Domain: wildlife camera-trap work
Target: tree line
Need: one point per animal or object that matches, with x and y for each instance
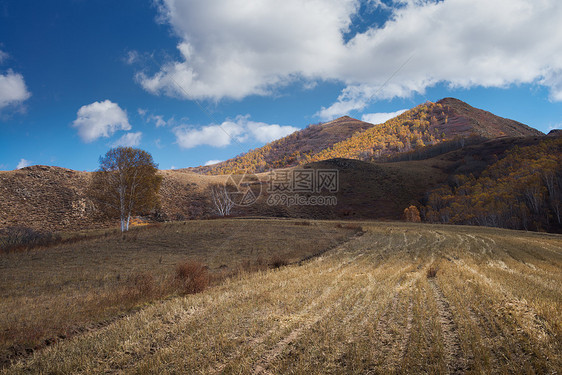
(523, 190)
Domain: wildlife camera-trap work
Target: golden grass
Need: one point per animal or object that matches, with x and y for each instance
(365, 307)
(49, 294)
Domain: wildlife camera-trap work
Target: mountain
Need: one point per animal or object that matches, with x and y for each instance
(290, 150)
(426, 124)
(382, 169)
(465, 120)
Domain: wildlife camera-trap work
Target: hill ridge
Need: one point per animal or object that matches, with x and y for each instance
(346, 137)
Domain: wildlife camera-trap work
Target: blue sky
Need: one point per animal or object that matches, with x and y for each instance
(194, 81)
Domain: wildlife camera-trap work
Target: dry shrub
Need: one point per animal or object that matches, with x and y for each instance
(192, 277)
(305, 223)
(22, 238)
(277, 262)
(432, 272)
(142, 283)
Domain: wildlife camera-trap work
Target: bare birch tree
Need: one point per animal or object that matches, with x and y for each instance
(222, 202)
(125, 184)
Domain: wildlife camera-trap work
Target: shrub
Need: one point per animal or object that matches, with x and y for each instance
(19, 238)
(142, 283)
(278, 262)
(432, 272)
(192, 277)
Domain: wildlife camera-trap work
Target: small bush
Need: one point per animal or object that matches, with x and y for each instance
(278, 262)
(192, 277)
(142, 283)
(432, 272)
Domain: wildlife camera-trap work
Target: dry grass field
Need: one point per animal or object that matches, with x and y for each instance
(58, 292)
(402, 298)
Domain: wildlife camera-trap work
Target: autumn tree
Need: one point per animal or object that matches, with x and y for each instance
(412, 214)
(125, 184)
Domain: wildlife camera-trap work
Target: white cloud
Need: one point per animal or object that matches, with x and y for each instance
(381, 117)
(129, 140)
(132, 57)
(158, 120)
(211, 162)
(267, 133)
(3, 56)
(13, 90)
(239, 130)
(23, 163)
(237, 48)
(100, 119)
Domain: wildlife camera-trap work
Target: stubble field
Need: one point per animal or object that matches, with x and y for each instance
(401, 298)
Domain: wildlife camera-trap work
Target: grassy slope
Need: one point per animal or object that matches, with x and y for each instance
(65, 289)
(364, 307)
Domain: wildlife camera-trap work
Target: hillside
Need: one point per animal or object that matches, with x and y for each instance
(427, 124)
(522, 190)
(54, 199)
(382, 169)
(290, 150)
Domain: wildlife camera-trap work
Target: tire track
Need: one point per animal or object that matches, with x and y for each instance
(455, 359)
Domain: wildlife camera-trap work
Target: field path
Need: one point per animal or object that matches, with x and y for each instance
(454, 356)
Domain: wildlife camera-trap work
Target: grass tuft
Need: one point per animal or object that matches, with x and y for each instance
(192, 277)
(432, 272)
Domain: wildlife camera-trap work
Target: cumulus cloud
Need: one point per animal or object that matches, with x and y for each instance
(128, 140)
(237, 48)
(239, 130)
(381, 117)
(13, 90)
(100, 119)
(23, 163)
(211, 162)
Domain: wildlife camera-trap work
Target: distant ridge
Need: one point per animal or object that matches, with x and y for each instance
(346, 137)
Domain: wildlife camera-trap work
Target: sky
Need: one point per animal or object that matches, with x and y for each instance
(195, 82)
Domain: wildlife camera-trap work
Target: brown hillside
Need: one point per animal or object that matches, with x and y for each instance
(54, 199)
(465, 120)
